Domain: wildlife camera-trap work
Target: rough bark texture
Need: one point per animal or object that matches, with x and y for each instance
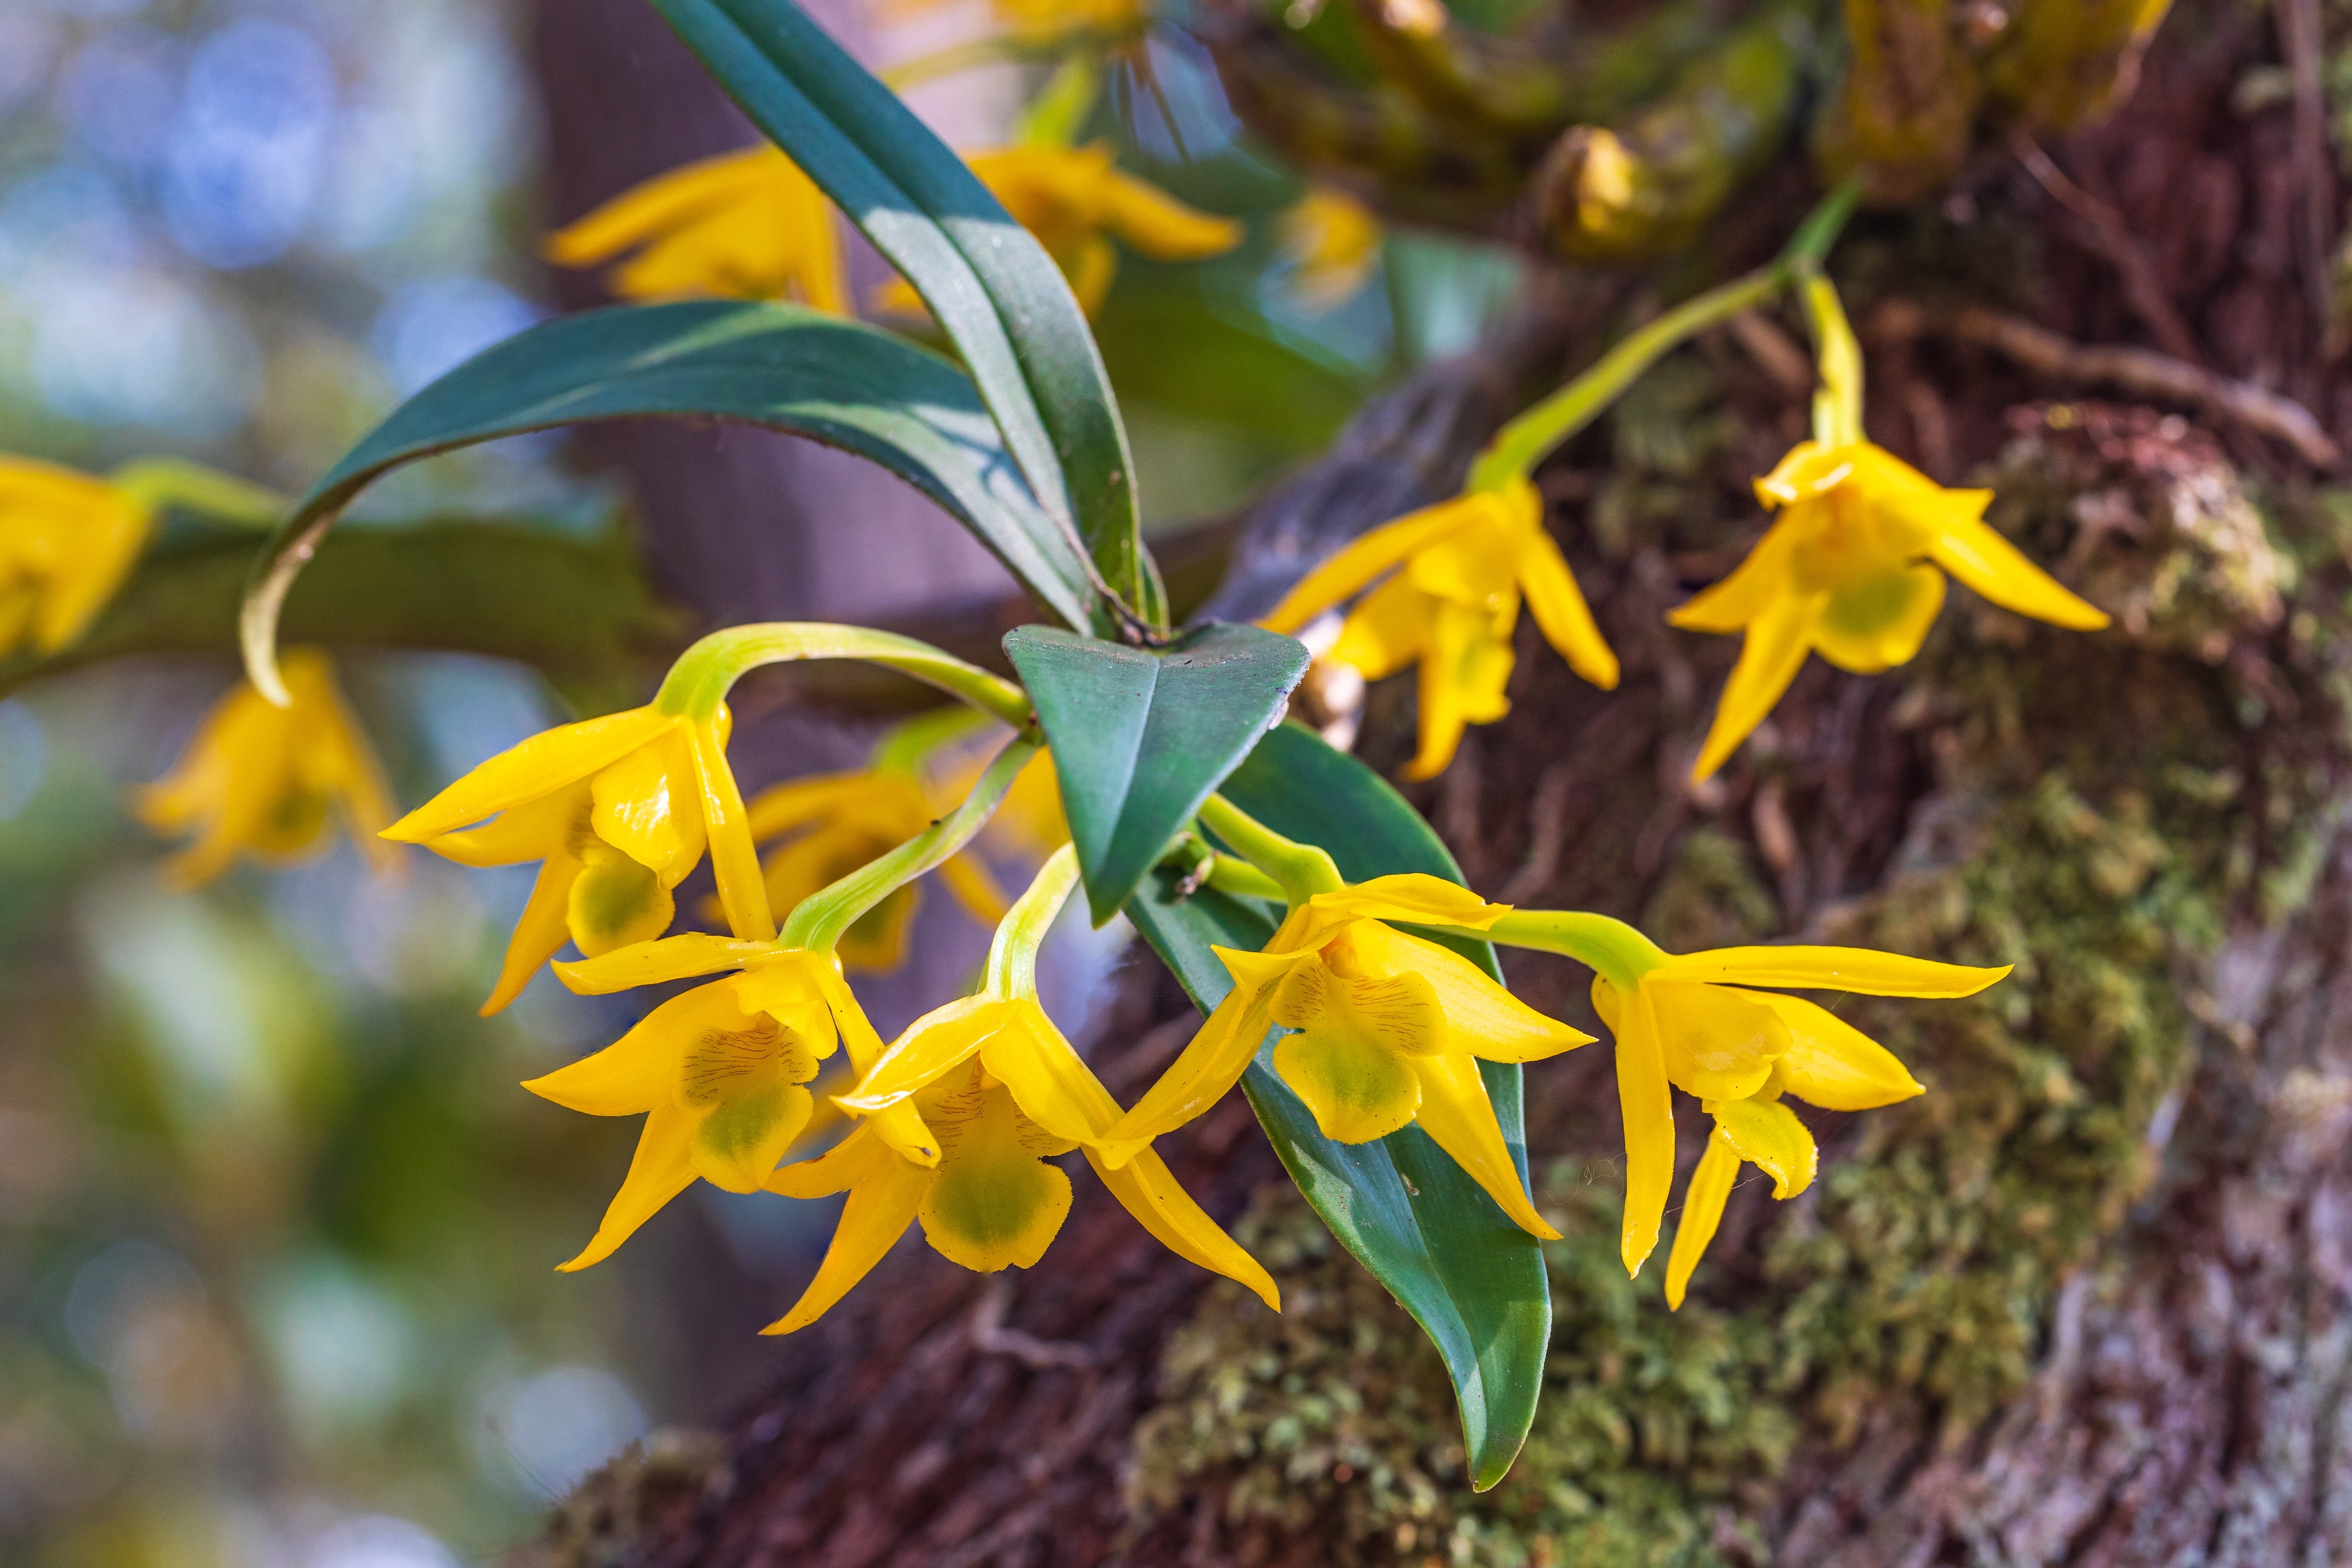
(2089, 1300)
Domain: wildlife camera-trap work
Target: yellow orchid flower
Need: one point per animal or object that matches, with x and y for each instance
(1003, 1091)
(1692, 1022)
(841, 821)
(1074, 199)
(1465, 564)
(742, 226)
(1829, 1063)
(618, 810)
(1332, 239)
(1035, 23)
(262, 780)
(717, 1071)
(1387, 1030)
(1854, 570)
(67, 542)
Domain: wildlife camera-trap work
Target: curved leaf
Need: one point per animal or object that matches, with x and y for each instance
(1140, 738)
(989, 284)
(847, 384)
(1473, 1281)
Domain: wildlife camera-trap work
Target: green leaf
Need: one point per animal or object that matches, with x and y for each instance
(1142, 737)
(847, 384)
(1473, 1281)
(1174, 348)
(989, 284)
(576, 609)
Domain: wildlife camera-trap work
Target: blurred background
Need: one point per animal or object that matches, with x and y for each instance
(276, 1228)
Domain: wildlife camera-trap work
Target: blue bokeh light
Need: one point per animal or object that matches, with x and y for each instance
(247, 149)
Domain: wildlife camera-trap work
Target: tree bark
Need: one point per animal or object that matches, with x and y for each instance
(2087, 1302)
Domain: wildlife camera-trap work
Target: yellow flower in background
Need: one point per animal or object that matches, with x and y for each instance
(1332, 239)
(1460, 569)
(1854, 570)
(618, 810)
(838, 822)
(742, 226)
(1041, 22)
(1075, 201)
(264, 781)
(1691, 1022)
(717, 1072)
(1028, 821)
(1388, 1030)
(67, 542)
(1037, 23)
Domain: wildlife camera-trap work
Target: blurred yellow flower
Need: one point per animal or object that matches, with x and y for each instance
(1851, 571)
(618, 810)
(717, 1071)
(262, 780)
(1466, 563)
(67, 542)
(1388, 1030)
(1689, 1022)
(838, 822)
(742, 226)
(1038, 22)
(1074, 199)
(1332, 239)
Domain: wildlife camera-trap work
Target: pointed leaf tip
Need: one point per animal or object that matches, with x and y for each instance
(1140, 738)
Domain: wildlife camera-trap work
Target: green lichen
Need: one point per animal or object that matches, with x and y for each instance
(2101, 828)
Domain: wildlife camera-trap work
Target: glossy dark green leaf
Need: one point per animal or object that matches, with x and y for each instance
(1473, 1281)
(847, 384)
(576, 609)
(1141, 737)
(987, 282)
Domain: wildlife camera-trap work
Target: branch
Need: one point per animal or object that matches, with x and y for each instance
(2139, 371)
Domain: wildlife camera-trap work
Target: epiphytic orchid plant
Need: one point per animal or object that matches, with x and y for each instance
(1346, 978)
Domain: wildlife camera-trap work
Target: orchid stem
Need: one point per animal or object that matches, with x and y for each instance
(1299, 870)
(819, 921)
(1526, 440)
(699, 682)
(1611, 948)
(1012, 955)
(1231, 874)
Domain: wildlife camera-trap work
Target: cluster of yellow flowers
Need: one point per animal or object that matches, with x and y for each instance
(952, 1124)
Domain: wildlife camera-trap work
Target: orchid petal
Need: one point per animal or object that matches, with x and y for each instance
(1859, 969)
(678, 957)
(658, 1171)
(1703, 1200)
(540, 934)
(1767, 1133)
(1147, 1190)
(1366, 558)
(1833, 1065)
(1561, 614)
(1647, 1105)
(1459, 1115)
(1769, 657)
(880, 1208)
(1971, 550)
(539, 766)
